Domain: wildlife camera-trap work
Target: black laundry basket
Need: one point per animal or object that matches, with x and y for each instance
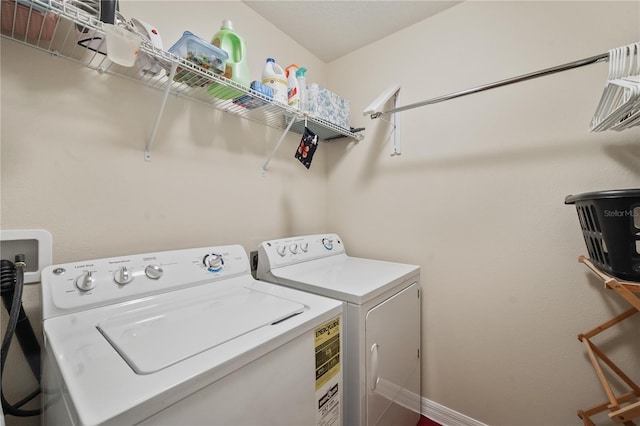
(610, 222)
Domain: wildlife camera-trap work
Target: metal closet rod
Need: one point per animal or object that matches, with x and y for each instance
(525, 77)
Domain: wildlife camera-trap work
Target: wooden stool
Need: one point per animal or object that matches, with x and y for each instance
(624, 408)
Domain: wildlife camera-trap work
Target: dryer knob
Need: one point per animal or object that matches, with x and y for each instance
(213, 262)
(327, 243)
(123, 276)
(282, 250)
(153, 271)
(293, 248)
(85, 282)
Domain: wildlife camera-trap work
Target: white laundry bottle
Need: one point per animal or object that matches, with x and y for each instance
(274, 76)
(293, 93)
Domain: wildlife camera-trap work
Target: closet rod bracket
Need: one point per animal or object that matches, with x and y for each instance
(375, 110)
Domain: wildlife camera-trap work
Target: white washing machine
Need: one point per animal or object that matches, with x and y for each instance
(187, 337)
(382, 321)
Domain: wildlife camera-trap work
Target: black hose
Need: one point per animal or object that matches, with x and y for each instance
(7, 277)
(108, 9)
(24, 332)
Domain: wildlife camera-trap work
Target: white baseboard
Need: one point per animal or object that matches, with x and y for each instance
(446, 416)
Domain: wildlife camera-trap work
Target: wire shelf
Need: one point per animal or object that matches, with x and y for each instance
(70, 29)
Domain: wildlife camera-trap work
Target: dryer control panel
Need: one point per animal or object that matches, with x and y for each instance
(287, 251)
(82, 285)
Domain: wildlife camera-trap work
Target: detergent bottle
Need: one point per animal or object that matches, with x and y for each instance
(236, 68)
(293, 93)
(274, 76)
(302, 90)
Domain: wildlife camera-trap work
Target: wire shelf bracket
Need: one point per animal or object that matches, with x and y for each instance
(263, 171)
(147, 149)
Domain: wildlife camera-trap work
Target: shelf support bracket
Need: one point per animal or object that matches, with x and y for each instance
(394, 148)
(266, 163)
(147, 150)
(375, 110)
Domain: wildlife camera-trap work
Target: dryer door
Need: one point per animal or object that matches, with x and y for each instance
(392, 332)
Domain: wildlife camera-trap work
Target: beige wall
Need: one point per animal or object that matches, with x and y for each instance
(476, 199)
(73, 157)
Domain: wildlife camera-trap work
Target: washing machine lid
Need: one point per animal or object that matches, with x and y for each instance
(101, 387)
(346, 278)
(153, 339)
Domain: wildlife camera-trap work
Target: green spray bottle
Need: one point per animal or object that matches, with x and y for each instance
(302, 89)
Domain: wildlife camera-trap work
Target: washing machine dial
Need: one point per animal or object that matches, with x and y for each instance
(123, 276)
(327, 243)
(213, 262)
(293, 248)
(281, 250)
(86, 281)
(153, 271)
(304, 247)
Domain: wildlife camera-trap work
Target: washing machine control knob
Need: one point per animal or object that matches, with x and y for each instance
(282, 250)
(86, 281)
(153, 271)
(327, 243)
(123, 276)
(304, 247)
(213, 262)
(293, 248)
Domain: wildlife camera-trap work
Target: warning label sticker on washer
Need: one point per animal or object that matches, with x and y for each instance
(329, 407)
(328, 374)
(327, 344)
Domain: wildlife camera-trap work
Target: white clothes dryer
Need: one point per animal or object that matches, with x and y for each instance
(187, 337)
(382, 321)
